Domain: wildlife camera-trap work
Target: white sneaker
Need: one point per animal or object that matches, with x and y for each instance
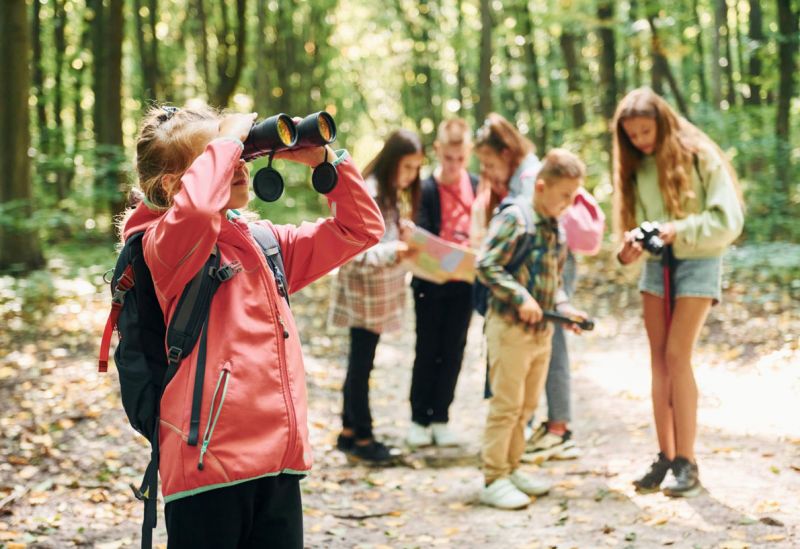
(443, 436)
(419, 435)
(528, 484)
(504, 495)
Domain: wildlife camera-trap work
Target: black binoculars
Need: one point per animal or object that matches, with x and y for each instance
(280, 132)
(585, 324)
(649, 235)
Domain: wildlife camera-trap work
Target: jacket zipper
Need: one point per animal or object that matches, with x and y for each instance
(224, 378)
(284, 368)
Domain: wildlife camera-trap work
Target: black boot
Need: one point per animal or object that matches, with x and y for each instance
(687, 479)
(651, 481)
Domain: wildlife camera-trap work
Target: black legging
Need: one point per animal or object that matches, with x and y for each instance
(442, 323)
(355, 412)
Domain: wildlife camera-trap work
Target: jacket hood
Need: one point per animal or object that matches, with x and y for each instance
(521, 183)
(138, 221)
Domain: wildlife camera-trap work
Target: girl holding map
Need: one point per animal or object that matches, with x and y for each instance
(369, 292)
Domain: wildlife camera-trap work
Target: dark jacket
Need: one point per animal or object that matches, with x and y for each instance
(429, 217)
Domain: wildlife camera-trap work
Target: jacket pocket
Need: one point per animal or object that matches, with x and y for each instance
(217, 400)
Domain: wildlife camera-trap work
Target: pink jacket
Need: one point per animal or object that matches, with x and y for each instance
(254, 375)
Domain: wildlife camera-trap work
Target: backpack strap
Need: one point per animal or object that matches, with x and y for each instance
(268, 243)
(124, 284)
(528, 240)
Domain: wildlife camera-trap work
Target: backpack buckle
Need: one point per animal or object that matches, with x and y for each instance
(226, 272)
(137, 492)
(118, 296)
(174, 354)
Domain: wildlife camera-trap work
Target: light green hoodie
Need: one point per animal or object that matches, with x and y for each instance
(713, 214)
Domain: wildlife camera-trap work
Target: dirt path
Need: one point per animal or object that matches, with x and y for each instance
(68, 454)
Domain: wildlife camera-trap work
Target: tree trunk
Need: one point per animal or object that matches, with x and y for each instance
(148, 48)
(660, 61)
(19, 244)
(637, 54)
(756, 35)
(38, 78)
(725, 30)
(485, 72)
(231, 56)
(787, 48)
(701, 57)
(608, 58)
(716, 52)
(107, 52)
(65, 168)
(568, 42)
(533, 89)
(461, 83)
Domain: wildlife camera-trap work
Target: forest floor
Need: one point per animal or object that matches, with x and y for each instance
(68, 453)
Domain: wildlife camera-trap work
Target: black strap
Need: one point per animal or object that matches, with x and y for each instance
(188, 323)
(197, 394)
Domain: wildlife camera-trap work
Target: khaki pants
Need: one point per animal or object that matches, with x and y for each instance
(518, 360)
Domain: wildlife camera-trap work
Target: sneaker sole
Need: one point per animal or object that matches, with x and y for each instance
(543, 455)
(684, 494)
(645, 491)
(493, 506)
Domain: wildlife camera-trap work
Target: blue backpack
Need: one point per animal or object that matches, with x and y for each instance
(480, 292)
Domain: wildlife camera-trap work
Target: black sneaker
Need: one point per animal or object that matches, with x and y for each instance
(651, 481)
(687, 479)
(345, 443)
(374, 453)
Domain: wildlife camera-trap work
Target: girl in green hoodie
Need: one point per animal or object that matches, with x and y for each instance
(668, 171)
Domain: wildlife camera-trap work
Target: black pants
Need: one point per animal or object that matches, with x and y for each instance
(257, 514)
(443, 319)
(355, 412)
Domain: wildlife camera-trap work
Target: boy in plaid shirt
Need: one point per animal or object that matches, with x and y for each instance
(518, 340)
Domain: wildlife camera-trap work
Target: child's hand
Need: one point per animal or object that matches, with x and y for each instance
(530, 312)
(630, 250)
(667, 233)
(404, 251)
(310, 156)
(568, 310)
(236, 126)
(406, 229)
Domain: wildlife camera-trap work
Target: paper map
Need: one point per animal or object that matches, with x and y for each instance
(439, 261)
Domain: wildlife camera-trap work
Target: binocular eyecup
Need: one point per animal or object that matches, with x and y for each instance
(280, 132)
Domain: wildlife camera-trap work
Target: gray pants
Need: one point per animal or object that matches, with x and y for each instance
(557, 387)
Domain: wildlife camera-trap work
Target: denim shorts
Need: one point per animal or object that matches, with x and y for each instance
(690, 278)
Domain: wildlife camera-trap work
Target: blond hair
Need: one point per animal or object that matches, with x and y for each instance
(167, 144)
(677, 142)
(454, 131)
(561, 164)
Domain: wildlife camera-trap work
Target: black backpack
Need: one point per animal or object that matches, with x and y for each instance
(480, 292)
(149, 353)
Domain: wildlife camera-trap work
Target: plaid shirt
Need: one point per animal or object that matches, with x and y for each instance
(370, 291)
(508, 291)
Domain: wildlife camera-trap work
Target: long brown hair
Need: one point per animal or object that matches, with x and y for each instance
(384, 168)
(500, 135)
(677, 141)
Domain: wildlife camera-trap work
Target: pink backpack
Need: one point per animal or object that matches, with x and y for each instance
(584, 223)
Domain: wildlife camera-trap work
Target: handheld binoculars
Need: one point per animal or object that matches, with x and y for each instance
(585, 324)
(280, 132)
